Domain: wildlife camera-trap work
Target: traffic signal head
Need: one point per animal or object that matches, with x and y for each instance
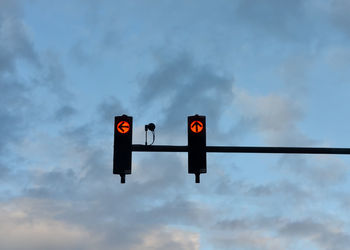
(122, 146)
(197, 154)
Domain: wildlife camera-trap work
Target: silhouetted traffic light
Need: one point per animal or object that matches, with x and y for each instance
(197, 155)
(122, 146)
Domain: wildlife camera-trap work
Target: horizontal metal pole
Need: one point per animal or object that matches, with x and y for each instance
(239, 149)
(278, 150)
(158, 148)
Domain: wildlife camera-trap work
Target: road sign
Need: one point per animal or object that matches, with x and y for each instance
(196, 126)
(123, 127)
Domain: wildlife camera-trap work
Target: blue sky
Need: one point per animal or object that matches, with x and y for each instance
(268, 72)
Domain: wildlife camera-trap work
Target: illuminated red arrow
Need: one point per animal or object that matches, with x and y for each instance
(196, 126)
(123, 127)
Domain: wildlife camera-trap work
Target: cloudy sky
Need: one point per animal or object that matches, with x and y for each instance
(264, 72)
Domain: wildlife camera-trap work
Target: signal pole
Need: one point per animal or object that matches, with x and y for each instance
(197, 149)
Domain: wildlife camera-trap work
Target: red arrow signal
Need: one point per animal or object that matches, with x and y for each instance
(196, 126)
(123, 127)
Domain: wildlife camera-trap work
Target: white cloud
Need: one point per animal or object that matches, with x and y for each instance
(23, 226)
(169, 238)
(273, 116)
(250, 239)
(21, 230)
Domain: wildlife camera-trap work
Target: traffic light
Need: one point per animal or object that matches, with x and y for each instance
(122, 146)
(197, 155)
